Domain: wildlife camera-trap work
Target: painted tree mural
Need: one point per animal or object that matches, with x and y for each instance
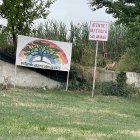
(41, 51)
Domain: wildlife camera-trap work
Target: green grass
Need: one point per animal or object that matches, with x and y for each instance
(59, 115)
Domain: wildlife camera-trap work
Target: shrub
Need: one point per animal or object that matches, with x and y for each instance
(118, 88)
(129, 61)
(6, 43)
(113, 89)
(77, 79)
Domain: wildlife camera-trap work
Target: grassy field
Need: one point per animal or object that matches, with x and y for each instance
(59, 115)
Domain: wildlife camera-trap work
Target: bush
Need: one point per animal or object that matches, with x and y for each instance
(118, 88)
(113, 89)
(6, 43)
(77, 79)
(129, 61)
(106, 88)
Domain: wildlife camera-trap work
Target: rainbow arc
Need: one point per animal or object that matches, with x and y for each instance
(41, 50)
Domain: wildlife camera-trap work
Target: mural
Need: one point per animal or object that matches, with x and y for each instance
(44, 54)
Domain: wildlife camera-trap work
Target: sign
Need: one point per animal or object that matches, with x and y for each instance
(98, 31)
(44, 54)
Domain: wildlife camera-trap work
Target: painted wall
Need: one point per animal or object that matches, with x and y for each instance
(25, 77)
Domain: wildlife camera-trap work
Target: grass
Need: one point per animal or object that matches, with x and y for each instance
(59, 115)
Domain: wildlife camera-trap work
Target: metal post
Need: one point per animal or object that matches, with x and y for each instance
(67, 81)
(95, 66)
(15, 76)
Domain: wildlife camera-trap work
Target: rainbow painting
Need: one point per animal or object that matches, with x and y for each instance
(42, 53)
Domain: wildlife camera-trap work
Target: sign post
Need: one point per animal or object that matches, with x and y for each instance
(95, 66)
(15, 76)
(67, 81)
(98, 31)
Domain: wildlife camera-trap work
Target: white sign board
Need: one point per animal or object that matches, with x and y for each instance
(45, 54)
(98, 31)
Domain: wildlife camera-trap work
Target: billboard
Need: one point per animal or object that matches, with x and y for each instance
(98, 31)
(44, 54)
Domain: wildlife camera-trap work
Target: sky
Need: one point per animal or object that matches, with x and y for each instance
(76, 11)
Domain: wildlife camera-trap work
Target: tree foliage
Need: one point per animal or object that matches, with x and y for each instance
(127, 11)
(20, 14)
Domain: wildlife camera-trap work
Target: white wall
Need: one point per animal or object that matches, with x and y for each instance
(29, 78)
(25, 77)
(133, 78)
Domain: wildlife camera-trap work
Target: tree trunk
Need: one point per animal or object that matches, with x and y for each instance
(14, 37)
(14, 40)
(41, 58)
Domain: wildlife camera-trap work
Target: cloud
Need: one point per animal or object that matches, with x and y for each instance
(76, 11)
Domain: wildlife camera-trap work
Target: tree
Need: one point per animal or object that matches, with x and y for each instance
(126, 11)
(20, 15)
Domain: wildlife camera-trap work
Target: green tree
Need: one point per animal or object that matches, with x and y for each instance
(126, 11)
(20, 15)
